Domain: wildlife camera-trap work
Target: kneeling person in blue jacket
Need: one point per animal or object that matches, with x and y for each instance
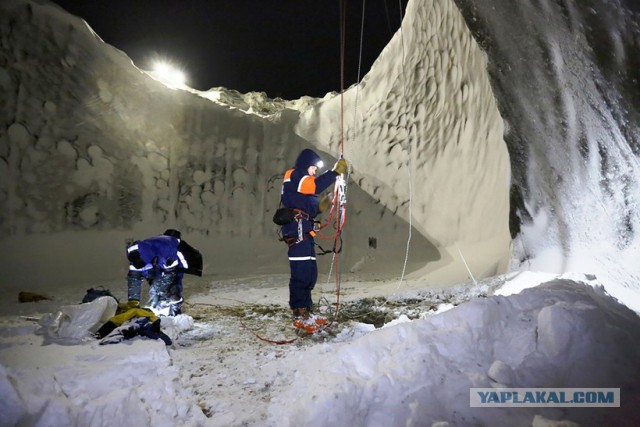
(162, 261)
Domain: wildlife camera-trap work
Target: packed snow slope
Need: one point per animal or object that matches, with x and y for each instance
(565, 333)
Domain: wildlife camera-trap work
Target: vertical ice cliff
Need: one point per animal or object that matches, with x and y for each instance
(565, 74)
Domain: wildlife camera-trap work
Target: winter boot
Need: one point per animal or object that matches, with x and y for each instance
(300, 314)
(319, 319)
(305, 321)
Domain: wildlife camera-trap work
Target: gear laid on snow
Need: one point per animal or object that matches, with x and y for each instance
(129, 324)
(26, 296)
(122, 317)
(139, 326)
(124, 306)
(94, 293)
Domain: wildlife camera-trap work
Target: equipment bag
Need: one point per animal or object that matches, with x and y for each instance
(97, 293)
(193, 258)
(284, 216)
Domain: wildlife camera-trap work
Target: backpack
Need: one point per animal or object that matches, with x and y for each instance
(97, 293)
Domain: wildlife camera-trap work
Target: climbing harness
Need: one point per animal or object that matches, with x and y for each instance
(288, 215)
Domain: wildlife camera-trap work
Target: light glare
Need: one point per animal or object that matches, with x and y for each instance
(168, 74)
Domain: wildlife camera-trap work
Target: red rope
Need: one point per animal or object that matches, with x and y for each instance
(343, 26)
(278, 342)
(341, 211)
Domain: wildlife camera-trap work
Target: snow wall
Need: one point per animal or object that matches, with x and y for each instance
(94, 151)
(565, 75)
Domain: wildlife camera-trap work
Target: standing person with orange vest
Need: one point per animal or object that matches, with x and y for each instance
(300, 190)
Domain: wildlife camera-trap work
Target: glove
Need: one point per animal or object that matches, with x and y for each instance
(324, 204)
(340, 167)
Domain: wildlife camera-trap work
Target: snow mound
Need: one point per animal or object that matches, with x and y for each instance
(560, 334)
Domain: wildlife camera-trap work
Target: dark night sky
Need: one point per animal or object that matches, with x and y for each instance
(286, 48)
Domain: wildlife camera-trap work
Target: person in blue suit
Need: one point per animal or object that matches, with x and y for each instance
(300, 189)
(162, 261)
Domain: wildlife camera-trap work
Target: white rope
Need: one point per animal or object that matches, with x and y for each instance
(467, 266)
(404, 91)
(355, 106)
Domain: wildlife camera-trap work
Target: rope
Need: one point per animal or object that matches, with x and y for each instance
(355, 115)
(338, 198)
(343, 12)
(467, 266)
(404, 92)
(340, 189)
(270, 341)
(355, 107)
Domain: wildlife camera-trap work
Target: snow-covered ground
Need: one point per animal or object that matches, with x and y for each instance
(399, 354)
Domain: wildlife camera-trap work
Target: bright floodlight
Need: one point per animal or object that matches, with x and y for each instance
(168, 74)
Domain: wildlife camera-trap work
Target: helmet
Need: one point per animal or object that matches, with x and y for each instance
(173, 233)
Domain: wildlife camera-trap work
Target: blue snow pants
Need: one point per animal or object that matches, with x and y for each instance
(304, 274)
(164, 286)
